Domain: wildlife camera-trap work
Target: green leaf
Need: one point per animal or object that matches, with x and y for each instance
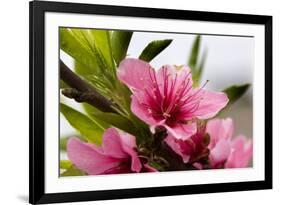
(200, 67)
(65, 164)
(192, 62)
(116, 121)
(72, 171)
(120, 41)
(103, 45)
(74, 43)
(156, 166)
(153, 49)
(89, 109)
(63, 143)
(235, 92)
(89, 129)
(63, 85)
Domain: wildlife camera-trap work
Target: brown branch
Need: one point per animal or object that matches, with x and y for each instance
(162, 153)
(174, 160)
(82, 91)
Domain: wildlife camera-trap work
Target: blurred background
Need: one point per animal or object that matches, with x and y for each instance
(230, 61)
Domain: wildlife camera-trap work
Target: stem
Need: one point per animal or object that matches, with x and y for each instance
(175, 162)
(82, 91)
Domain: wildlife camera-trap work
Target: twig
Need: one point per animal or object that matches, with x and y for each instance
(173, 162)
(81, 91)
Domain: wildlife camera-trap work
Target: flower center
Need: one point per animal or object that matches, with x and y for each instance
(171, 93)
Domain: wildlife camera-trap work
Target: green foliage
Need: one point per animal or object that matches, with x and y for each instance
(65, 164)
(235, 92)
(72, 171)
(194, 63)
(120, 41)
(101, 41)
(153, 49)
(63, 85)
(89, 109)
(75, 44)
(89, 129)
(91, 50)
(156, 166)
(200, 66)
(117, 121)
(63, 143)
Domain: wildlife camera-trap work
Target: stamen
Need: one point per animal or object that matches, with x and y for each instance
(166, 115)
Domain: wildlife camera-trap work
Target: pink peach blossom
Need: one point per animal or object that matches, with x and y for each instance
(225, 152)
(166, 97)
(241, 153)
(116, 155)
(191, 149)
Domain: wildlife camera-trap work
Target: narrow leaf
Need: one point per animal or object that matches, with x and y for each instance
(90, 110)
(201, 65)
(192, 62)
(116, 121)
(63, 85)
(72, 171)
(235, 92)
(120, 41)
(89, 129)
(103, 45)
(73, 42)
(153, 49)
(65, 164)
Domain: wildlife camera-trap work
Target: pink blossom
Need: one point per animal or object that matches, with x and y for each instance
(241, 153)
(190, 149)
(116, 155)
(166, 97)
(225, 152)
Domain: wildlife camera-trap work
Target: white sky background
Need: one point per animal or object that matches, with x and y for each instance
(230, 60)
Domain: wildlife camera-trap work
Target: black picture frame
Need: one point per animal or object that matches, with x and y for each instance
(37, 194)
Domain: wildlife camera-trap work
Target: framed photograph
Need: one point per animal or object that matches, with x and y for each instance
(141, 102)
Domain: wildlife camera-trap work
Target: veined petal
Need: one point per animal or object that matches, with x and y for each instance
(241, 153)
(210, 104)
(175, 146)
(142, 112)
(87, 158)
(198, 165)
(129, 146)
(135, 73)
(181, 131)
(112, 144)
(220, 153)
(219, 129)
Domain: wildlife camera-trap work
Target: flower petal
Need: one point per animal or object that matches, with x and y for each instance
(242, 152)
(141, 111)
(135, 73)
(219, 154)
(129, 146)
(219, 129)
(166, 74)
(175, 146)
(89, 158)
(112, 144)
(210, 104)
(181, 131)
(198, 165)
